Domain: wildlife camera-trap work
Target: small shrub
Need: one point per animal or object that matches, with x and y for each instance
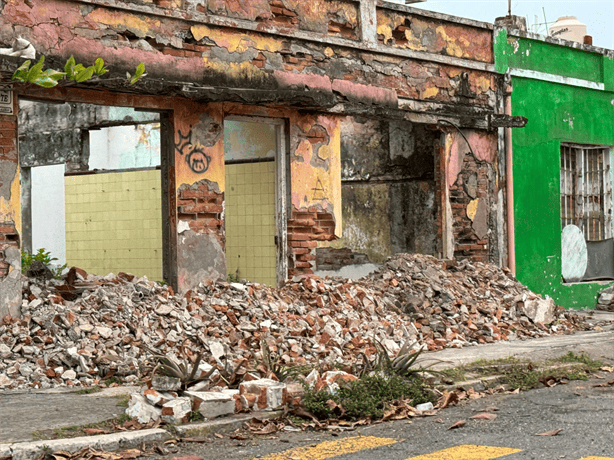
(368, 397)
(42, 256)
(316, 403)
(523, 377)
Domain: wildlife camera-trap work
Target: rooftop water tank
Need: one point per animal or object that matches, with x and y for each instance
(568, 28)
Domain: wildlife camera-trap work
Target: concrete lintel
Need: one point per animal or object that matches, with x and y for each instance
(438, 58)
(569, 81)
(246, 25)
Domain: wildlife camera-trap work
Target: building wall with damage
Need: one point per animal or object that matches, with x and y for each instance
(566, 90)
(332, 70)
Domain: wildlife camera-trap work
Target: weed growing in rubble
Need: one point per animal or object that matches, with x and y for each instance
(41, 256)
(367, 397)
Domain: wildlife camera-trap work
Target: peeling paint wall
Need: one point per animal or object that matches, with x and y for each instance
(472, 193)
(10, 217)
(405, 30)
(389, 202)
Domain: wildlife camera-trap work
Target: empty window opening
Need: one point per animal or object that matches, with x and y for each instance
(92, 193)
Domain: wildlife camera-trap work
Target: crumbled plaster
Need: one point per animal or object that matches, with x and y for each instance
(200, 256)
(10, 286)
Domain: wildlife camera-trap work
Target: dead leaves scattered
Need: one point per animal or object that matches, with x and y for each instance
(89, 453)
(606, 384)
(550, 433)
(264, 427)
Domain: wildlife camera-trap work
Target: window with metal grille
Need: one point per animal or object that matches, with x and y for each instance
(586, 190)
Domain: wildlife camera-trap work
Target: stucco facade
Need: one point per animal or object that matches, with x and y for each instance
(383, 115)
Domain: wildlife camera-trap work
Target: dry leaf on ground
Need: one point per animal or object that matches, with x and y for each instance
(457, 424)
(484, 416)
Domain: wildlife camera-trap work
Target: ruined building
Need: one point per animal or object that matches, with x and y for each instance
(294, 137)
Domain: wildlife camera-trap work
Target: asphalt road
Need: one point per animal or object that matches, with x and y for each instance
(584, 414)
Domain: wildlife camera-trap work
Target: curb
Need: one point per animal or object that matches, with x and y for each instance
(108, 442)
(224, 425)
(124, 440)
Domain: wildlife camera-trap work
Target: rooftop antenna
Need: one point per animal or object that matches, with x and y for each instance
(509, 7)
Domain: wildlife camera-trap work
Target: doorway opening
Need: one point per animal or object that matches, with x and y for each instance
(255, 200)
(92, 188)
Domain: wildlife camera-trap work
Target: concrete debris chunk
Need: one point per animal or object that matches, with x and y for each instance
(212, 404)
(269, 393)
(177, 410)
(164, 383)
(139, 408)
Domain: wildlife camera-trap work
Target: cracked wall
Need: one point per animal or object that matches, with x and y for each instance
(200, 51)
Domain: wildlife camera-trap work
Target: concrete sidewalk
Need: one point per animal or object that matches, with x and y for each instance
(26, 415)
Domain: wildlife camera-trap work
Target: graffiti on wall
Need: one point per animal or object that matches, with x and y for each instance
(194, 154)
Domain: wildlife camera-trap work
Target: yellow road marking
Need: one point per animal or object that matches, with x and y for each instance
(596, 458)
(467, 452)
(331, 449)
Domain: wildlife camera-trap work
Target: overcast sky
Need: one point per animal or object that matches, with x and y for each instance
(598, 15)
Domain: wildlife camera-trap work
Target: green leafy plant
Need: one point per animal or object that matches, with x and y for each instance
(72, 71)
(41, 256)
(138, 74)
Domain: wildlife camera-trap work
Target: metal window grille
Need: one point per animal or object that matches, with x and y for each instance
(586, 190)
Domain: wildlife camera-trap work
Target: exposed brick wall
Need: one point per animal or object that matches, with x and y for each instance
(468, 245)
(335, 259)
(305, 229)
(200, 205)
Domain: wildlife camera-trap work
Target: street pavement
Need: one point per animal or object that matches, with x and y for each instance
(584, 413)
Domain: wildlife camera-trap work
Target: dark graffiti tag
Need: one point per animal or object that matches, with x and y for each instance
(319, 192)
(194, 155)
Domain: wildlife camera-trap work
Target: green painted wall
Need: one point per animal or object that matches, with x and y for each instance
(554, 59)
(557, 113)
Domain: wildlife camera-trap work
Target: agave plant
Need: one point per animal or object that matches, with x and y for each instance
(273, 364)
(169, 367)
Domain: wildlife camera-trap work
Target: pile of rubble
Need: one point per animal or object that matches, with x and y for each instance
(86, 329)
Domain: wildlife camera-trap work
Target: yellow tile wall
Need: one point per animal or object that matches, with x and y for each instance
(114, 223)
(250, 222)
